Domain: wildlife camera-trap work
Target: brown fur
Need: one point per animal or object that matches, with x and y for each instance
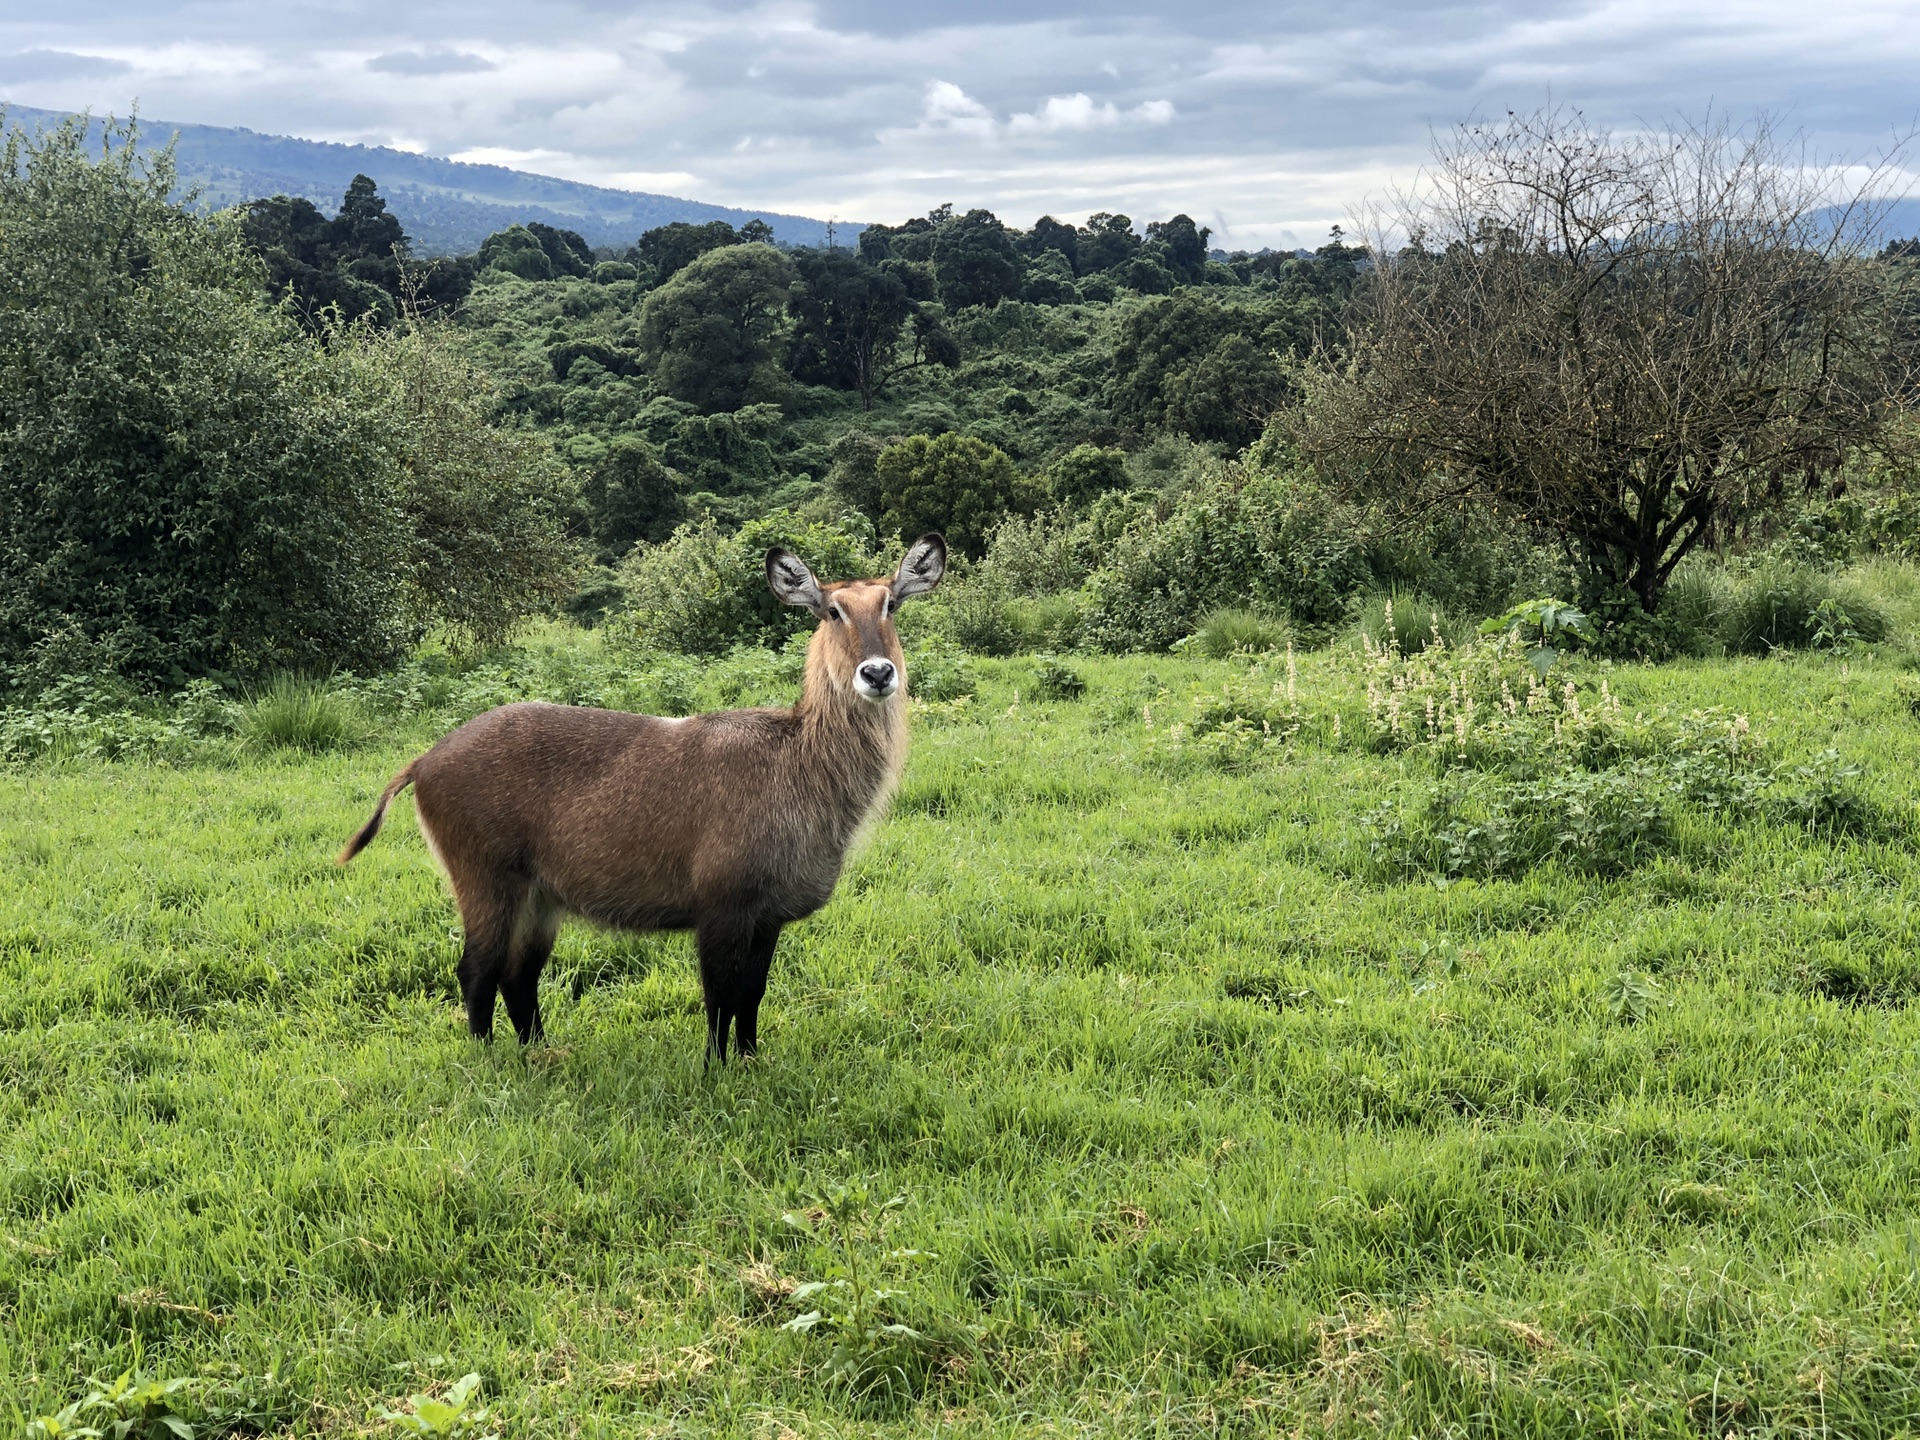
(732, 823)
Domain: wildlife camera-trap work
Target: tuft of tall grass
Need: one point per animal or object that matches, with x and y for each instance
(1241, 632)
(1696, 601)
(1778, 606)
(294, 712)
(1408, 621)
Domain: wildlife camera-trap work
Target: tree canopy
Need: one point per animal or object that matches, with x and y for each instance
(1627, 342)
(190, 484)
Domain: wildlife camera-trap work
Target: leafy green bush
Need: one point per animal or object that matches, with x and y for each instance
(939, 670)
(1602, 822)
(1240, 538)
(1048, 622)
(1085, 473)
(1054, 679)
(704, 591)
(195, 485)
(1240, 632)
(952, 483)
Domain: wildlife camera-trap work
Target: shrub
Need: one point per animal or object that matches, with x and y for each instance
(294, 713)
(195, 485)
(1054, 679)
(952, 483)
(1239, 538)
(978, 613)
(1601, 822)
(1782, 607)
(1048, 622)
(703, 591)
(1085, 473)
(939, 670)
(1240, 632)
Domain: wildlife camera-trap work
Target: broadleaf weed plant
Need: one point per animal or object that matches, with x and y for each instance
(860, 1301)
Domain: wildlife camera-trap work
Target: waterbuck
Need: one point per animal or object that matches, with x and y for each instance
(732, 823)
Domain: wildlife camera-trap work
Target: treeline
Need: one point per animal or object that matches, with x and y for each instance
(273, 438)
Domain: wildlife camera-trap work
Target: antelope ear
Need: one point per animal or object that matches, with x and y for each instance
(921, 567)
(792, 582)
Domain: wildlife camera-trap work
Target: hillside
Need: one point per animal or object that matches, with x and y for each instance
(447, 207)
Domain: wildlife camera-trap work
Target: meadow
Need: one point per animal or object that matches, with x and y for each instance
(1200, 1047)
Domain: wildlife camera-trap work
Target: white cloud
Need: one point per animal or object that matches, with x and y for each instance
(1078, 112)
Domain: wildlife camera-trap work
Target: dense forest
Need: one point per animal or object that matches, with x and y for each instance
(703, 372)
(1125, 433)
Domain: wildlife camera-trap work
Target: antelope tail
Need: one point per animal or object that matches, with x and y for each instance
(372, 828)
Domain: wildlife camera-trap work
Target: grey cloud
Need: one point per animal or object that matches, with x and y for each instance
(429, 62)
(1282, 113)
(57, 65)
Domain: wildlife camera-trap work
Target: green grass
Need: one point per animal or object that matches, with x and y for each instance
(1202, 1123)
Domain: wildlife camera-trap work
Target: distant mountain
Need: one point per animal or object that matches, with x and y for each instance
(447, 207)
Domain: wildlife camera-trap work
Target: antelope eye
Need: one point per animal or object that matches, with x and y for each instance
(835, 612)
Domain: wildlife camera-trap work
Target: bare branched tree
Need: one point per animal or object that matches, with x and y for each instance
(1626, 341)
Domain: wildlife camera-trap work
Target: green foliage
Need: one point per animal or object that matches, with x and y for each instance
(535, 252)
(296, 713)
(974, 262)
(1212, 371)
(708, 332)
(484, 510)
(955, 484)
(859, 1305)
(1085, 473)
(353, 266)
(1545, 625)
(1778, 606)
(666, 250)
(442, 1417)
(629, 496)
(940, 671)
(1240, 632)
(1055, 679)
(130, 1407)
(1239, 537)
(704, 591)
(195, 487)
(1406, 621)
(184, 478)
(857, 327)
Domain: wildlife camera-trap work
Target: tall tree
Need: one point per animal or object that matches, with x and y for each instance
(669, 249)
(1626, 341)
(1186, 245)
(856, 327)
(1106, 241)
(708, 331)
(974, 261)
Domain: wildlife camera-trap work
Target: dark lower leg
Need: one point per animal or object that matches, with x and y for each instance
(520, 985)
(479, 974)
(751, 986)
(489, 926)
(725, 941)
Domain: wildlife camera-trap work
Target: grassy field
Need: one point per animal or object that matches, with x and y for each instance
(1156, 1080)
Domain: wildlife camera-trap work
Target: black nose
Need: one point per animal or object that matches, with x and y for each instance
(878, 674)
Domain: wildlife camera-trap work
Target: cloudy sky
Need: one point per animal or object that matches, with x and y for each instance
(1267, 121)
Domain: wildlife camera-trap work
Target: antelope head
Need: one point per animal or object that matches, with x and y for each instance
(856, 650)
